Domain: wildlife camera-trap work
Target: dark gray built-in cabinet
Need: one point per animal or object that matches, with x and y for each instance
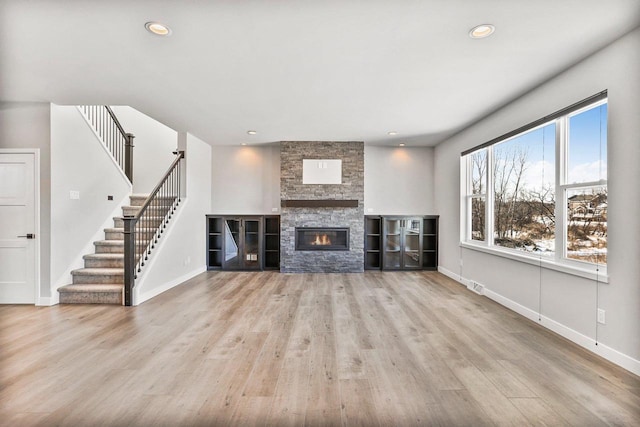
(401, 242)
(242, 242)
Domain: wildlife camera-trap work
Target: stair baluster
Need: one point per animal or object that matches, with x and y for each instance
(143, 229)
(113, 136)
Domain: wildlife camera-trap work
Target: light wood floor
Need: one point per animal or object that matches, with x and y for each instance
(318, 349)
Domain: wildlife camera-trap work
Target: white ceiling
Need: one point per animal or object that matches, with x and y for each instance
(300, 70)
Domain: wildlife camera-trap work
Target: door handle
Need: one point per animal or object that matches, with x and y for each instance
(29, 236)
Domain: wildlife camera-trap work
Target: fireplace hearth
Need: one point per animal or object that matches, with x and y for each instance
(322, 239)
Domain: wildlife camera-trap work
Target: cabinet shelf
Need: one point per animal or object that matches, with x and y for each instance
(401, 242)
(255, 242)
(430, 243)
(372, 242)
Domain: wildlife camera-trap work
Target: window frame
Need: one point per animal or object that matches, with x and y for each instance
(559, 261)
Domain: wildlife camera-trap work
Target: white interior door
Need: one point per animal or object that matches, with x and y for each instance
(17, 228)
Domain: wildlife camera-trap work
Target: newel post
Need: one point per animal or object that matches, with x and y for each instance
(128, 156)
(129, 258)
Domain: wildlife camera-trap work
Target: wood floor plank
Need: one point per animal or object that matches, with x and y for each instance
(222, 386)
(498, 407)
(537, 412)
(265, 348)
(289, 405)
(358, 408)
(323, 395)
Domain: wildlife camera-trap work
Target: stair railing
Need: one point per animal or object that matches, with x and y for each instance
(142, 230)
(118, 142)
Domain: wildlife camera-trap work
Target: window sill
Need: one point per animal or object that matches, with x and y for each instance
(587, 272)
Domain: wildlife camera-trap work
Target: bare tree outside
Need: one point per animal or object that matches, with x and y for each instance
(523, 194)
(478, 190)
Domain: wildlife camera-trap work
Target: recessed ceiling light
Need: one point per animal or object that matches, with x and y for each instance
(251, 132)
(481, 31)
(393, 132)
(157, 28)
(243, 143)
(401, 144)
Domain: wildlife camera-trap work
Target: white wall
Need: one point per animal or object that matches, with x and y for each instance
(27, 125)
(567, 304)
(154, 145)
(79, 162)
(245, 180)
(181, 251)
(398, 180)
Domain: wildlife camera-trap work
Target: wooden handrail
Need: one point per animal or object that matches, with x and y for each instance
(115, 120)
(113, 136)
(143, 229)
(147, 202)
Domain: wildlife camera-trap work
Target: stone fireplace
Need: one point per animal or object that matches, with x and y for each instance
(322, 209)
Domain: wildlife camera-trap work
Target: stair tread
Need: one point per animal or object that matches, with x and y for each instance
(82, 290)
(150, 208)
(103, 256)
(120, 218)
(144, 196)
(97, 271)
(121, 230)
(90, 287)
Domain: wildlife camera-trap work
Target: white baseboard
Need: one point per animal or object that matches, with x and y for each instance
(466, 282)
(48, 301)
(602, 350)
(139, 299)
(455, 276)
(512, 305)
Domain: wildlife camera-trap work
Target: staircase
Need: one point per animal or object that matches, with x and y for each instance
(101, 281)
(109, 274)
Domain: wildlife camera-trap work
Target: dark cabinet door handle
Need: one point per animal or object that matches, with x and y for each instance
(29, 236)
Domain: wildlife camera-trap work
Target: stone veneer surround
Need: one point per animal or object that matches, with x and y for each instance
(352, 188)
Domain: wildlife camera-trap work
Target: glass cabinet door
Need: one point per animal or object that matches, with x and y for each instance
(392, 243)
(232, 243)
(402, 243)
(411, 247)
(251, 249)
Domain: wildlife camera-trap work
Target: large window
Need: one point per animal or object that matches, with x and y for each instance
(478, 193)
(524, 191)
(585, 187)
(542, 190)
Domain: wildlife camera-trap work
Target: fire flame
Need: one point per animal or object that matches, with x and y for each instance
(322, 240)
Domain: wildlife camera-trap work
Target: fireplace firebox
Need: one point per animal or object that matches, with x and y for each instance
(322, 239)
